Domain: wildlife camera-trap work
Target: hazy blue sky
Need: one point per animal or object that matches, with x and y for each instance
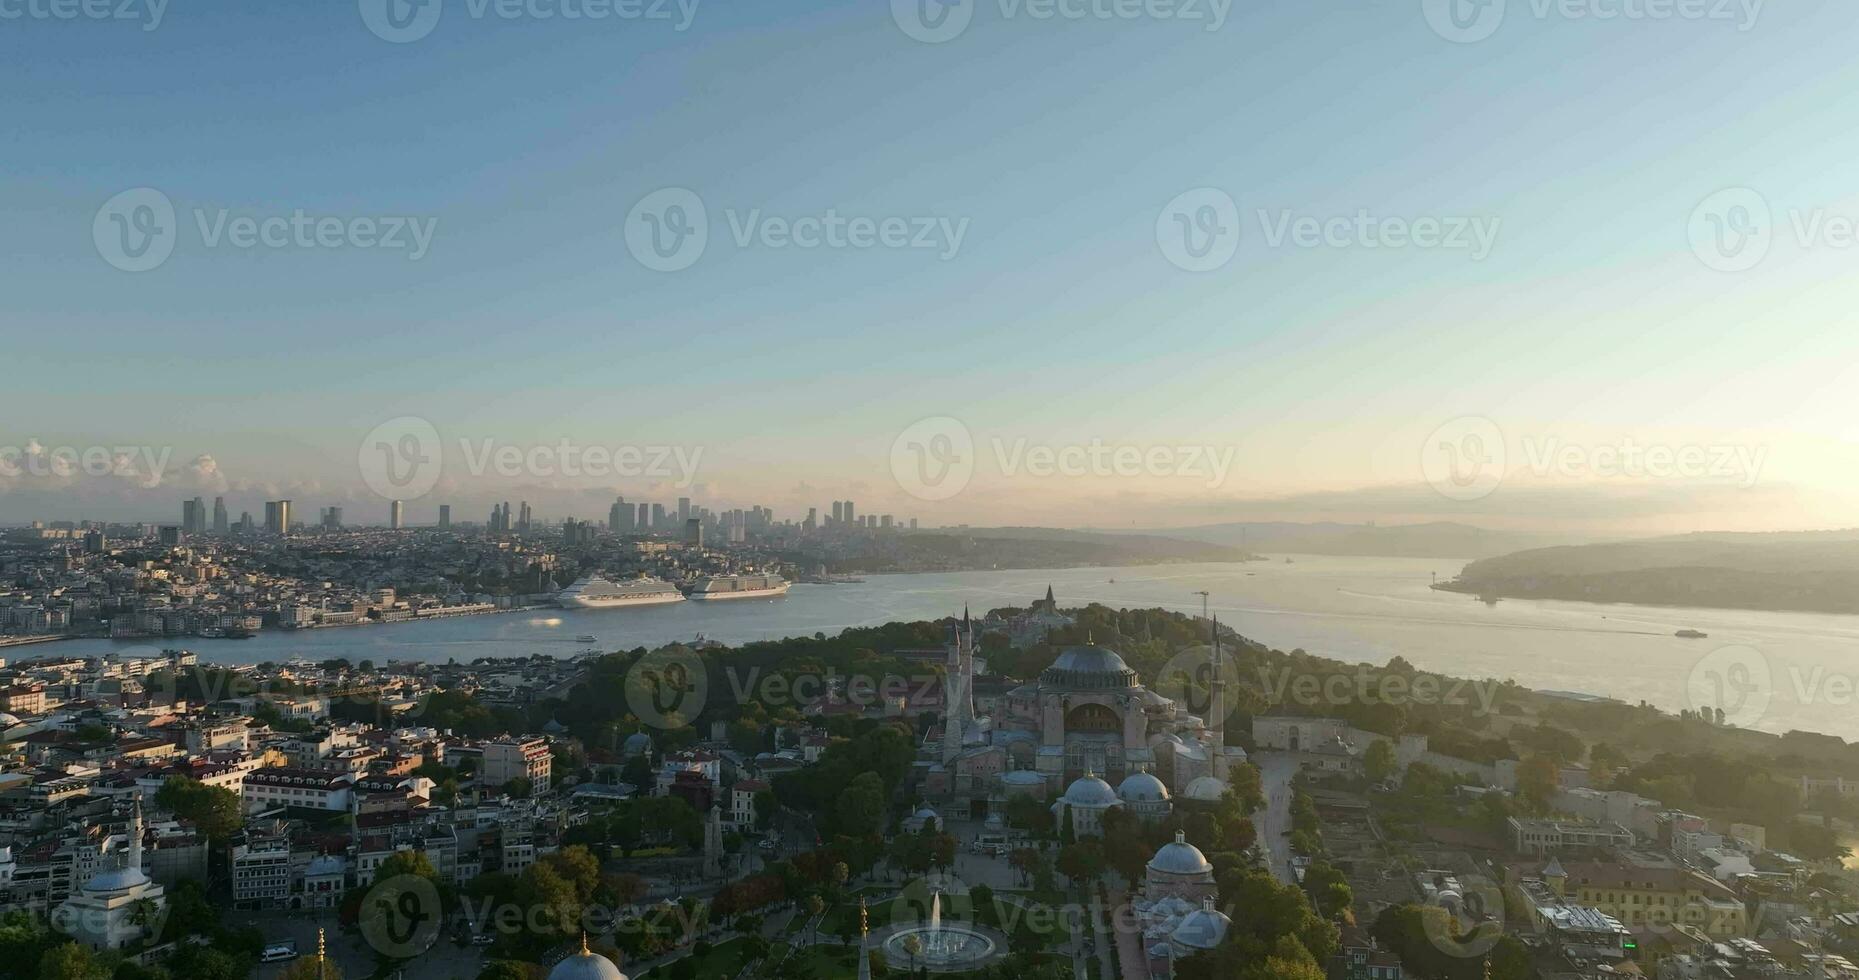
(1054, 144)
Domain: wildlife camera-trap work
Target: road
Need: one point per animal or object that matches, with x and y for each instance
(1276, 770)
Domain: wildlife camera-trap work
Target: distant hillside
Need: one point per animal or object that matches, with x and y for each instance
(1440, 539)
(1142, 547)
(1814, 571)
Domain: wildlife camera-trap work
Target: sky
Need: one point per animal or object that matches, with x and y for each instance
(1579, 265)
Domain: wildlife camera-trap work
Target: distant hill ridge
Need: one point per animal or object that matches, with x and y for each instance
(1804, 571)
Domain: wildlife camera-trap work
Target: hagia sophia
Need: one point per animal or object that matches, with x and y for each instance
(1086, 735)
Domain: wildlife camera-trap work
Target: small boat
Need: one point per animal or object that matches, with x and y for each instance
(1490, 599)
(1691, 634)
(1113, 581)
(586, 639)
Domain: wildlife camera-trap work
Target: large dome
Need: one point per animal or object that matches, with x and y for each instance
(586, 965)
(1142, 787)
(1089, 667)
(1089, 791)
(1180, 858)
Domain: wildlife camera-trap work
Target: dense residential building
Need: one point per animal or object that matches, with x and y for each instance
(512, 758)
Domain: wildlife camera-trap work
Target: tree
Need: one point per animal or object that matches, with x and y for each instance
(1537, 780)
(216, 812)
(766, 805)
(860, 809)
(69, 962)
(505, 970)
(1378, 761)
(1082, 861)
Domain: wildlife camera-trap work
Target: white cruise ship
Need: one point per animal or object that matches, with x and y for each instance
(740, 587)
(594, 592)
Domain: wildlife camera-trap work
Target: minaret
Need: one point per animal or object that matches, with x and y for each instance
(960, 709)
(321, 950)
(135, 834)
(1217, 763)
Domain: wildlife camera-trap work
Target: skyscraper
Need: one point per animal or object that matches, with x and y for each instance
(394, 514)
(839, 511)
(619, 516)
(445, 515)
(850, 519)
(277, 516)
(658, 517)
(193, 516)
(694, 533)
(220, 525)
(332, 518)
(639, 520)
(684, 510)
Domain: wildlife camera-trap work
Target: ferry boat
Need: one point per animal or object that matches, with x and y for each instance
(595, 592)
(740, 587)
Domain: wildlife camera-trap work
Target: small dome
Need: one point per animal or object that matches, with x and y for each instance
(925, 813)
(586, 965)
(7, 720)
(1206, 789)
(1203, 928)
(1180, 858)
(1089, 791)
(995, 822)
(116, 880)
(1142, 787)
(637, 742)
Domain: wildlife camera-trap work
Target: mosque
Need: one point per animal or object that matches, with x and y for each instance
(1086, 734)
(115, 908)
(1176, 907)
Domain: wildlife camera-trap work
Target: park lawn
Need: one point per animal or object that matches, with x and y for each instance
(827, 962)
(845, 915)
(725, 959)
(1038, 928)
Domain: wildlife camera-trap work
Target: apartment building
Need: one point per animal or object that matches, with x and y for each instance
(513, 758)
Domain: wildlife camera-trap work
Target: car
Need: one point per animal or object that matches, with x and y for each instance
(278, 952)
(483, 939)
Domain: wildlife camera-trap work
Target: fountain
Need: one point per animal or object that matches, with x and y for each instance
(943, 948)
